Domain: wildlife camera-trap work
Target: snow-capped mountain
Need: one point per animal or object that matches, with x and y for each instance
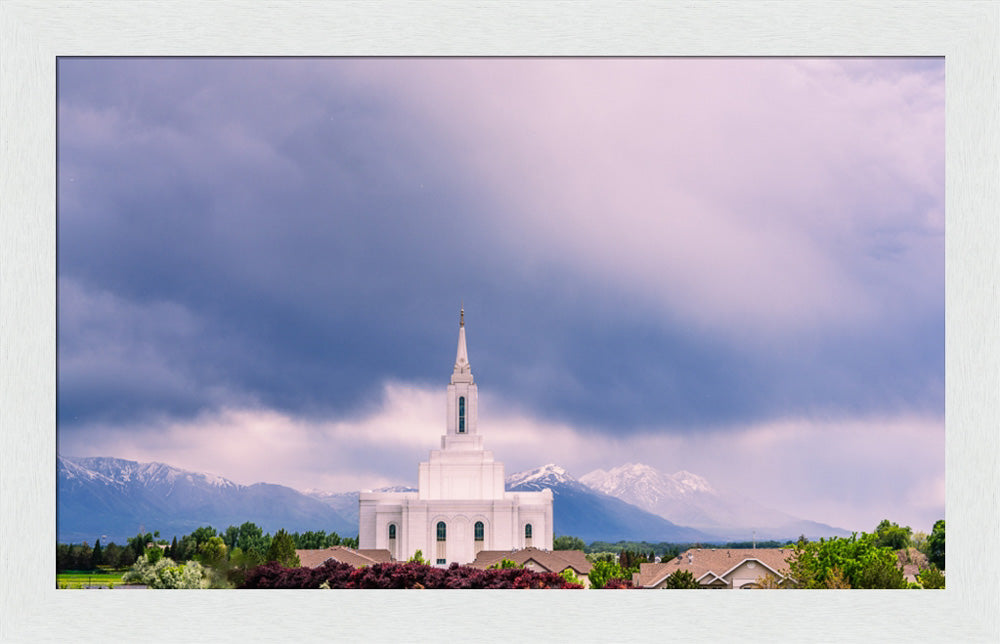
(116, 497)
(580, 511)
(122, 473)
(539, 478)
(645, 485)
(691, 500)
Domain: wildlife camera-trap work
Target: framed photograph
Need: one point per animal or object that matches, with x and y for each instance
(697, 275)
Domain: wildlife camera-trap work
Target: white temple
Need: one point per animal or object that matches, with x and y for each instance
(460, 507)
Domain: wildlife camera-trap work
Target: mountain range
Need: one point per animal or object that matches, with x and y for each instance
(113, 499)
(690, 500)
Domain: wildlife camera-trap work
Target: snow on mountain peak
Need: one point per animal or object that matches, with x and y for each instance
(644, 485)
(693, 481)
(124, 472)
(548, 474)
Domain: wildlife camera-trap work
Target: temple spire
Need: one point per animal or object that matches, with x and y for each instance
(462, 356)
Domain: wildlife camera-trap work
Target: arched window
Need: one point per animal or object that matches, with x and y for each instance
(392, 530)
(527, 530)
(441, 531)
(479, 531)
(461, 414)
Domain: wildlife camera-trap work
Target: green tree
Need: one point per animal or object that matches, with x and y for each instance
(935, 545)
(153, 554)
(187, 548)
(504, 564)
(213, 552)
(231, 537)
(203, 534)
(282, 550)
(418, 557)
(137, 544)
(126, 557)
(931, 578)
(96, 556)
(603, 571)
(681, 579)
(568, 543)
(112, 556)
(570, 576)
(314, 539)
(859, 561)
(835, 579)
(891, 535)
(164, 573)
(254, 543)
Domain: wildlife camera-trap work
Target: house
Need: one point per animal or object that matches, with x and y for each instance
(538, 560)
(461, 507)
(357, 558)
(720, 568)
(913, 562)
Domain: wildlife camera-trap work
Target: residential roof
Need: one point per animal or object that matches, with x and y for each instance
(357, 558)
(709, 564)
(552, 560)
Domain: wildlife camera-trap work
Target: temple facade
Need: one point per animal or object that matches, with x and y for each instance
(460, 507)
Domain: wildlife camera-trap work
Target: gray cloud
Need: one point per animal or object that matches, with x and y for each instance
(662, 247)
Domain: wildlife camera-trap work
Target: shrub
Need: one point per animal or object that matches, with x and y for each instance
(571, 577)
(617, 583)
(411, 575)
(931, 578)
(681, 579)
(603, 572)
(166, 574)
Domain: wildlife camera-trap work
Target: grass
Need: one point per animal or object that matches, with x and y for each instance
(81, 578)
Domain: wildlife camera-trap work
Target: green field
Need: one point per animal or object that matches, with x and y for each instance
(81, 578)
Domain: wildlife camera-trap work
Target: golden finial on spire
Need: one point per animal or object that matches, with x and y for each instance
(461, 316)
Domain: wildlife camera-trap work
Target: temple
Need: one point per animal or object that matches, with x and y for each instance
(461, 507)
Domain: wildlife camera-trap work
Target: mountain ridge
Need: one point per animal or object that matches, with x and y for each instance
(98, 497)
(690, 499)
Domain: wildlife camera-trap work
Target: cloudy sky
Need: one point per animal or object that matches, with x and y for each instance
(729, 266)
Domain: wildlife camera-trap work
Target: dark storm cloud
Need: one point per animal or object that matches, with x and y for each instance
(292, 233)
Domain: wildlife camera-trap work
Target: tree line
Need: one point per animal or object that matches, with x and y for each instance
(662, 549)
(248, 543)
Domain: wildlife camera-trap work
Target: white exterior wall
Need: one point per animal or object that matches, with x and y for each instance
(416, 523)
